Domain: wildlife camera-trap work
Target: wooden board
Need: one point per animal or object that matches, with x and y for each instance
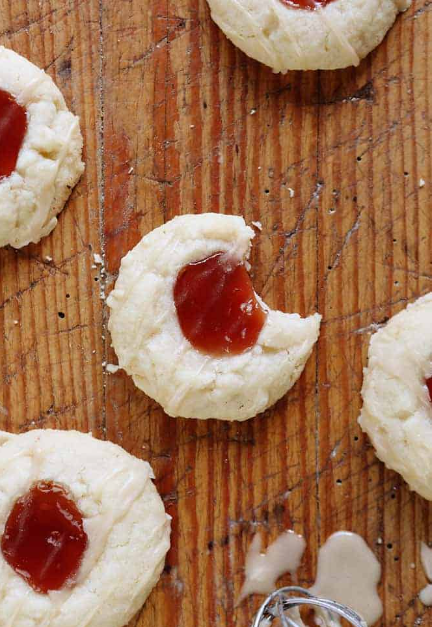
(175, 119)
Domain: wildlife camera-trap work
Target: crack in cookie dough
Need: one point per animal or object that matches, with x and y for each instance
(337, 35)
(150, 344)
(49, 162)
(397, 409)
(124, 518)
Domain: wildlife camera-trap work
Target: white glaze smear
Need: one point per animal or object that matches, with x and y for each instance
(426, 560)
(348, 572)
(425, 595)
(339, 35)
(264, 569)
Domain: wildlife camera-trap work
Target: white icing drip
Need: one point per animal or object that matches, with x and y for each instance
(15, 615)
(264, 569)
(107, 593)
(137, 337)
(426, 560)
(24, 97)
(404, 365)
(181, 392)
(272, 25)
(348, 572)
(99, 527)
(294, 615)
(325, 619)
(47, 196)
(236, 251)
(425, 595)
(340, 36)
(37, 461)
(33, 452)
(10, 459)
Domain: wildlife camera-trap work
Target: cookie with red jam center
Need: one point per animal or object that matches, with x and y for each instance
(188, 326)
(77, 514)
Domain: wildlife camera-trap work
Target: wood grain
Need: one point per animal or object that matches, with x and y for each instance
(176, 120)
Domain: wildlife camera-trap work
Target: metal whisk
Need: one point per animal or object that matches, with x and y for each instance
(280, 602)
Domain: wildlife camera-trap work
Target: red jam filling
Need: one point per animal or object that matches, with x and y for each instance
(429, 387)
(309, 5)
(13, 127)
(216, 306)
(44, 539)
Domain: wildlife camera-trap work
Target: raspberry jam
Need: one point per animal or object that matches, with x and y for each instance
(429, 387)
(44, 539)
(13, 127)
(216, 306)
(309, 5)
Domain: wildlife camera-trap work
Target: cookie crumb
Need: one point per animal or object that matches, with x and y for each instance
(291, 192)
(422, 183)
(257, 225)
(97, 259)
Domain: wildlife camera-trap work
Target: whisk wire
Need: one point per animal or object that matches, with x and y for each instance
(279, 602)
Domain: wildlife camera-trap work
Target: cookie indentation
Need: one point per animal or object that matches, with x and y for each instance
(13, 127)
(216, 305)
(44, 539)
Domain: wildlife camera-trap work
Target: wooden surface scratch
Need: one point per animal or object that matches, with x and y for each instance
(176, 120)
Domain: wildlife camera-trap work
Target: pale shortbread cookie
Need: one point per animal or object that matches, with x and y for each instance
(124, 518)
(49, 163)
(397, 411)
(285, 38)
(150, 344)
